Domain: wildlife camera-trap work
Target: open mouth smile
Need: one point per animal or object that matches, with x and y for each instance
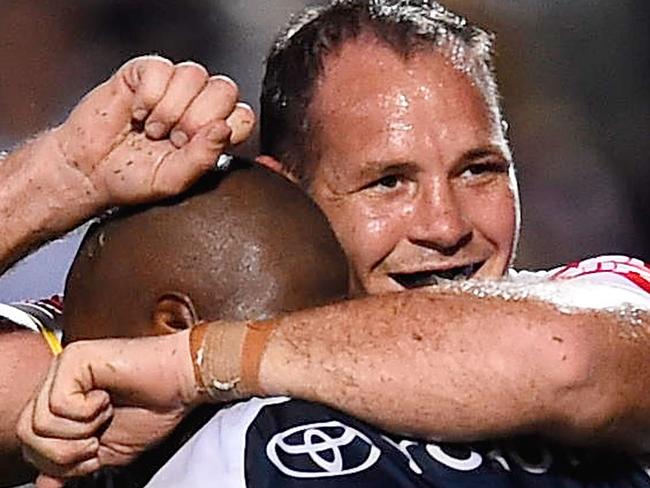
(419, 279)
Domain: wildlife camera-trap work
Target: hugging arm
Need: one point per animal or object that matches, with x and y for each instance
(455, 367)
(441, 366)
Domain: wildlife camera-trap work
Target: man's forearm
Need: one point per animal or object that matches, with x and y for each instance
(458, 367)
(41, 197)
(437, 366)
(411, 363)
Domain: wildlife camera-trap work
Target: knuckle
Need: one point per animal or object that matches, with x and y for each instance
(71, 348)
(151, 58)
(138, 67)
(226, 86)
(58, 403)
(40, 423)
(244, 107)
(157, 59)
(153, 63)
(242, 122)
(74, 349)
(152, 73)
(245, 113)
(192, 70)
(62, 456)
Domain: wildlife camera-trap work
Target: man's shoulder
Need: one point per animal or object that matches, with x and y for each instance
(602, 281)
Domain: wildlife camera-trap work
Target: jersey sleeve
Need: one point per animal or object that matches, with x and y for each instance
(41, 316)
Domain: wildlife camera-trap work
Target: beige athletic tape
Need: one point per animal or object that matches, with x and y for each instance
(227, 356)
(257, 337)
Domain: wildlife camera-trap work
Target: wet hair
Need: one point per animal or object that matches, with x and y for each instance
(243, 245)
(298, 55)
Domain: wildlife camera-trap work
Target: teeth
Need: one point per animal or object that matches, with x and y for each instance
(461, 273)
(416, 280)
(428, 278)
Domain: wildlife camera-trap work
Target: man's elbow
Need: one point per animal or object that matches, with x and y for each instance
(583, 397)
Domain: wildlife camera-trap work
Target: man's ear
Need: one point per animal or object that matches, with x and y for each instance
(275, 165)
(173, 312)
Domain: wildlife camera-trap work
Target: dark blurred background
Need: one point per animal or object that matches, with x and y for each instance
(574, 75)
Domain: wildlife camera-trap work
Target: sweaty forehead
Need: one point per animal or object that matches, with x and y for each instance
(368, 63)
(375, 99)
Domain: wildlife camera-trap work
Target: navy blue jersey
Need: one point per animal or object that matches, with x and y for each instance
(293, 444)
(284, 443)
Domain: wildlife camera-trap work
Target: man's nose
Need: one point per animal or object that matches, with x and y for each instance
(439, 221)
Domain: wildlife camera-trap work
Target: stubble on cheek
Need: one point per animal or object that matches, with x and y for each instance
(497, 219)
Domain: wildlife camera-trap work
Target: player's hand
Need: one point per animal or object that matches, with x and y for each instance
(104, 402)
(149, 132)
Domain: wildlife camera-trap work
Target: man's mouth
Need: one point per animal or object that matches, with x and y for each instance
(419, 279)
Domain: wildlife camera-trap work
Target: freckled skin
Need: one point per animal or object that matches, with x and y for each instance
(394, 175)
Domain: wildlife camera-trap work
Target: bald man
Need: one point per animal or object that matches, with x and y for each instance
(168, 267)
(160, 269)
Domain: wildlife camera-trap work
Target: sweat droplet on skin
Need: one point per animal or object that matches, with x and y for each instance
(377, 226)
(400, 126)
(402, 101)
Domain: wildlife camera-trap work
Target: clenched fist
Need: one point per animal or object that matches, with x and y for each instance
(149, 132)
(104, 402)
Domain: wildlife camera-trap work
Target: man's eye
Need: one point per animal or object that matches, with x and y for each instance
(389, 184)
(480, 169)
(388, 181)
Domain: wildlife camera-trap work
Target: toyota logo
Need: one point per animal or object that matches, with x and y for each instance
(320, 450)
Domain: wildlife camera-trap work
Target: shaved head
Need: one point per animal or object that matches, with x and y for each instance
(241, 245)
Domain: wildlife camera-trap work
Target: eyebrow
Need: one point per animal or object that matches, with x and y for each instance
(376, 168)
(482, 152)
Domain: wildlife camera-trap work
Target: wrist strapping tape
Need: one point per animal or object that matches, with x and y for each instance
(227, 357)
